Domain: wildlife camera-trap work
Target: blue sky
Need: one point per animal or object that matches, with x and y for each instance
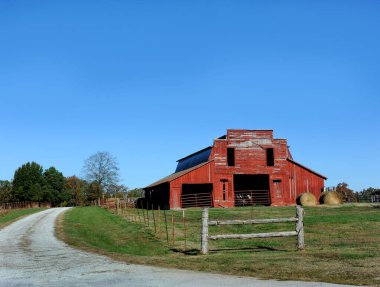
(153, 81)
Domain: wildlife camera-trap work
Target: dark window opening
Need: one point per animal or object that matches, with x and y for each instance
(230, 156)
(277, 180)
(270, 157)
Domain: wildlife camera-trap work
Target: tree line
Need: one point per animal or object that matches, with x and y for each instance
(31, 182)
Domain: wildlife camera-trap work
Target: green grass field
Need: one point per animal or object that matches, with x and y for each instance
(9, 216)
(342, 243)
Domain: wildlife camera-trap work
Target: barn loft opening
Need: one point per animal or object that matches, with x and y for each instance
(270, 157)
(196, 195)
(251, 189)
(230, 156)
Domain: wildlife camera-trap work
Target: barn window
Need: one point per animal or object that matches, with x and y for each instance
(270, 157)
(230, 156)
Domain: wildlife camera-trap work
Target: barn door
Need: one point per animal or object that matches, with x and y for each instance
(277, 183)
(176, 191)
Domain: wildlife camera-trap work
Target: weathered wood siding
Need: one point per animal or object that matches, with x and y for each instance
(302, 180)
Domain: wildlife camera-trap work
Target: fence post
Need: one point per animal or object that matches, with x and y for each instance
(184, 227)
(147, 212)
(166, 227)
(300, 229)
(204, 238)
(159, 222)
(173, 239)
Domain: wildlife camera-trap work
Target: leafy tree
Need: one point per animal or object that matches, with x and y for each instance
(370, 194)
(54, 187)
(31, 183)
(101, 168)
(76, 188)
(27, 183)
(93, 191)
(136, 192)
(5, 191)
(346, 193)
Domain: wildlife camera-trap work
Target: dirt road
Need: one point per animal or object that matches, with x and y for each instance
(30, 255)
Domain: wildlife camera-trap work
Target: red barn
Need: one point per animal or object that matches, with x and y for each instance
(244, 167)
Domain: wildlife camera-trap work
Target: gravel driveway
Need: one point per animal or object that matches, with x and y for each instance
(30, 255)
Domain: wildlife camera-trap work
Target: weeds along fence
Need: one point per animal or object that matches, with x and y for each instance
(22, 204)
(181, 229)
(299, 229)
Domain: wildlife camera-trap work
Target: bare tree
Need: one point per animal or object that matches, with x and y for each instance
(102, 168)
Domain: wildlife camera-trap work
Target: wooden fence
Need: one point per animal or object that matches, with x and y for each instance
(299, 229)
(23, 204)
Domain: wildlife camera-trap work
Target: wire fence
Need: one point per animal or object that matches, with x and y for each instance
(179, 229)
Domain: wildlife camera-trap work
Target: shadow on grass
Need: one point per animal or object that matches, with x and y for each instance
(241, 249)
(246, 249)
(186, 252)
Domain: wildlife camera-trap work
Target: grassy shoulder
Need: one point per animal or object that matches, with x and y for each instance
(342, 244)
(9, 216)
(96, 229)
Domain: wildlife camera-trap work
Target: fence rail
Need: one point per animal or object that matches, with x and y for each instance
(252, 221)
(299, 229)
(254, 235)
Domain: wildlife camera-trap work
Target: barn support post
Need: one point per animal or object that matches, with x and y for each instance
(299, 228)
(204, 235)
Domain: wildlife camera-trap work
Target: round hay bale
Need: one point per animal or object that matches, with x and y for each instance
(306, 199)
(332, 198)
